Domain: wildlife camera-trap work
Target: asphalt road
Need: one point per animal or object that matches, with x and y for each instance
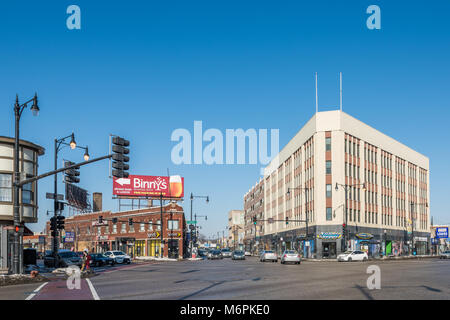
(251, 279)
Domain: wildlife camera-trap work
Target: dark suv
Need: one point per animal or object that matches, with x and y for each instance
(64, 259)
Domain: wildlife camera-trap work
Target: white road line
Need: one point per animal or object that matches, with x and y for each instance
(35, 292)
(94, 293)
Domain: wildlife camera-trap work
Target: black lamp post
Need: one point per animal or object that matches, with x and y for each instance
(306, 189)
(344, 226)
(195, 219)
(190, 230)
(59, 144)
(18, 109)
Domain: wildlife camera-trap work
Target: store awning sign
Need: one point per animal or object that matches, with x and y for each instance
(329, 235)
(364, 236)
(155, 234)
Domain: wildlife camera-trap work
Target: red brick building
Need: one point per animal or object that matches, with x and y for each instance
(139, 239)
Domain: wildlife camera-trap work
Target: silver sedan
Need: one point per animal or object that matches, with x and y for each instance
(268, 255)
(290, 256)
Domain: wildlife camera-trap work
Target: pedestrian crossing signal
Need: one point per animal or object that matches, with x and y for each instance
(287, 220)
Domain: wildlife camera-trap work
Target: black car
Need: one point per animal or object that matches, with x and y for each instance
(202, 253)
(64, 259)
(99, 260)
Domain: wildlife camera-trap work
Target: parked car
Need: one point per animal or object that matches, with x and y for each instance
(238, 255)
(215, 254)
(248, 253)
(354, 255)
(226, 253)
(202, 253)
(98, 260)
(118, 256)
(64, 259)
(445, 255)
(290, 256)
(268, 255)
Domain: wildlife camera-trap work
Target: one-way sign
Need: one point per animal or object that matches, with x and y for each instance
(59, 197)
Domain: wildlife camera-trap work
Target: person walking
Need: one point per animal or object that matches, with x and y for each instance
(86, 258)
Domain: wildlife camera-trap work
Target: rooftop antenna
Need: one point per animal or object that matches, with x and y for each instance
(340, 91)
(317, 99)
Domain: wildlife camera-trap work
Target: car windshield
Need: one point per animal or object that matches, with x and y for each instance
(239, 252)
(290, 252)
(216, 252)
(348, 252)
(225, 250)
(119, 253)
(268, 251)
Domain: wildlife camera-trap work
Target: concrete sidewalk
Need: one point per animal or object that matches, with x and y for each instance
(378, 259)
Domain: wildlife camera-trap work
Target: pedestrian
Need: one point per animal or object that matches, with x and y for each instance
(86, 258)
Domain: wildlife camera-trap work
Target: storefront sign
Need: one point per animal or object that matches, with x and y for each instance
(442, 232)
(102, 238)
(175, 234)
(70, 236)
(421, 239)
(329, 235)
(154, 235)
(364, 236)
(149, 186)
(97, 224)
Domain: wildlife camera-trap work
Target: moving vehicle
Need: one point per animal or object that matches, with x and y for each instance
(238, 255)
(64, 259)
(226, 253)
(268, 255)
(99, 260)
(215, 254)
(248, 253)
(202, 253)
(445, 255)
(354, 255)
(290, 256)
(118, 256)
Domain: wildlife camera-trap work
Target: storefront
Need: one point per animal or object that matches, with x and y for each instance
(139, 248)
(154, 246)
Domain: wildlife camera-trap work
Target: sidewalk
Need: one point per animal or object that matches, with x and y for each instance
(376, 259)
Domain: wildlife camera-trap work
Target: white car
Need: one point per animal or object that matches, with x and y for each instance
(354, 255)
(118, 256)
(290, 256)
(268, 255)
(248, 254)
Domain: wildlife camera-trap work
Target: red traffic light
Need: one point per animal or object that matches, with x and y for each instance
(343, 225)
(17, 229)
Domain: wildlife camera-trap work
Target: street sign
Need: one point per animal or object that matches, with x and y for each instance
(59, 197)
(149, 186)
(191, 222)
(442, 232)
(70, 236)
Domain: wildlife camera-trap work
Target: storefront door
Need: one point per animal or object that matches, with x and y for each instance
(329, 250)
(153, 248)
(173, 248)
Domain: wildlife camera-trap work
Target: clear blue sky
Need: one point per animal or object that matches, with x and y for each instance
(141, 69)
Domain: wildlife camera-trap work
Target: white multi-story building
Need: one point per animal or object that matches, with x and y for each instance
(387, 187)
(235, 228)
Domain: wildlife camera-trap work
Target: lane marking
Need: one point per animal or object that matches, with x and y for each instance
(94, 293)
(35, 292)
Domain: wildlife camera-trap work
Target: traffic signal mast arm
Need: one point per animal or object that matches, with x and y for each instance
(23, 182)
(127, 221)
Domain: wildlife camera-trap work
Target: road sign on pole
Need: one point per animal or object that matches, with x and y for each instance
(191, 222)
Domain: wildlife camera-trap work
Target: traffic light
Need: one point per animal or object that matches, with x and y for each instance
(60, 222)
(71, 175)
(254, 220)
(53, 223)
(130, 221)
(119, 157)
(114, 220)
(100, 219)
(287, 220)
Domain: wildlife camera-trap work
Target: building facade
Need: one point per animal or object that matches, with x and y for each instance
(254, 209)
(235, 229)
(139, 239)
(28, 199)
(350, 187)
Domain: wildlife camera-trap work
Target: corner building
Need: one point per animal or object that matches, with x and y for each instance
(387, 192)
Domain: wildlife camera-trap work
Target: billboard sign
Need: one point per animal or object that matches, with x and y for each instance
(442, 232)
(149, 186)
(77, 197)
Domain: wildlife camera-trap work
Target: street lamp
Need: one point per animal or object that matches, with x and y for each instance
(190, 230)
(344, 226)
(18, 109)
(59, 144)
(195, 219)
(306, 189)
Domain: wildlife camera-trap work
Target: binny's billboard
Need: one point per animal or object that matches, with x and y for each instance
(149, 186)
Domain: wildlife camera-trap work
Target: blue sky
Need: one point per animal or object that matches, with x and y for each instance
(141, 69)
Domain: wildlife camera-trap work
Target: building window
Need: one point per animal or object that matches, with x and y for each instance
(329, 214)
(172, 225)
(99, 230)
(27, 193)
(328, 167)
(124, 228)
(158, 226)
(5, 187)
(328, 187)
(106, 229)
(115, 228)
(142, 227)
(327, 144)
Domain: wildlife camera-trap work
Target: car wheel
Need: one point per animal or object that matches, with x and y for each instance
(364, 259)
(349, 259)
